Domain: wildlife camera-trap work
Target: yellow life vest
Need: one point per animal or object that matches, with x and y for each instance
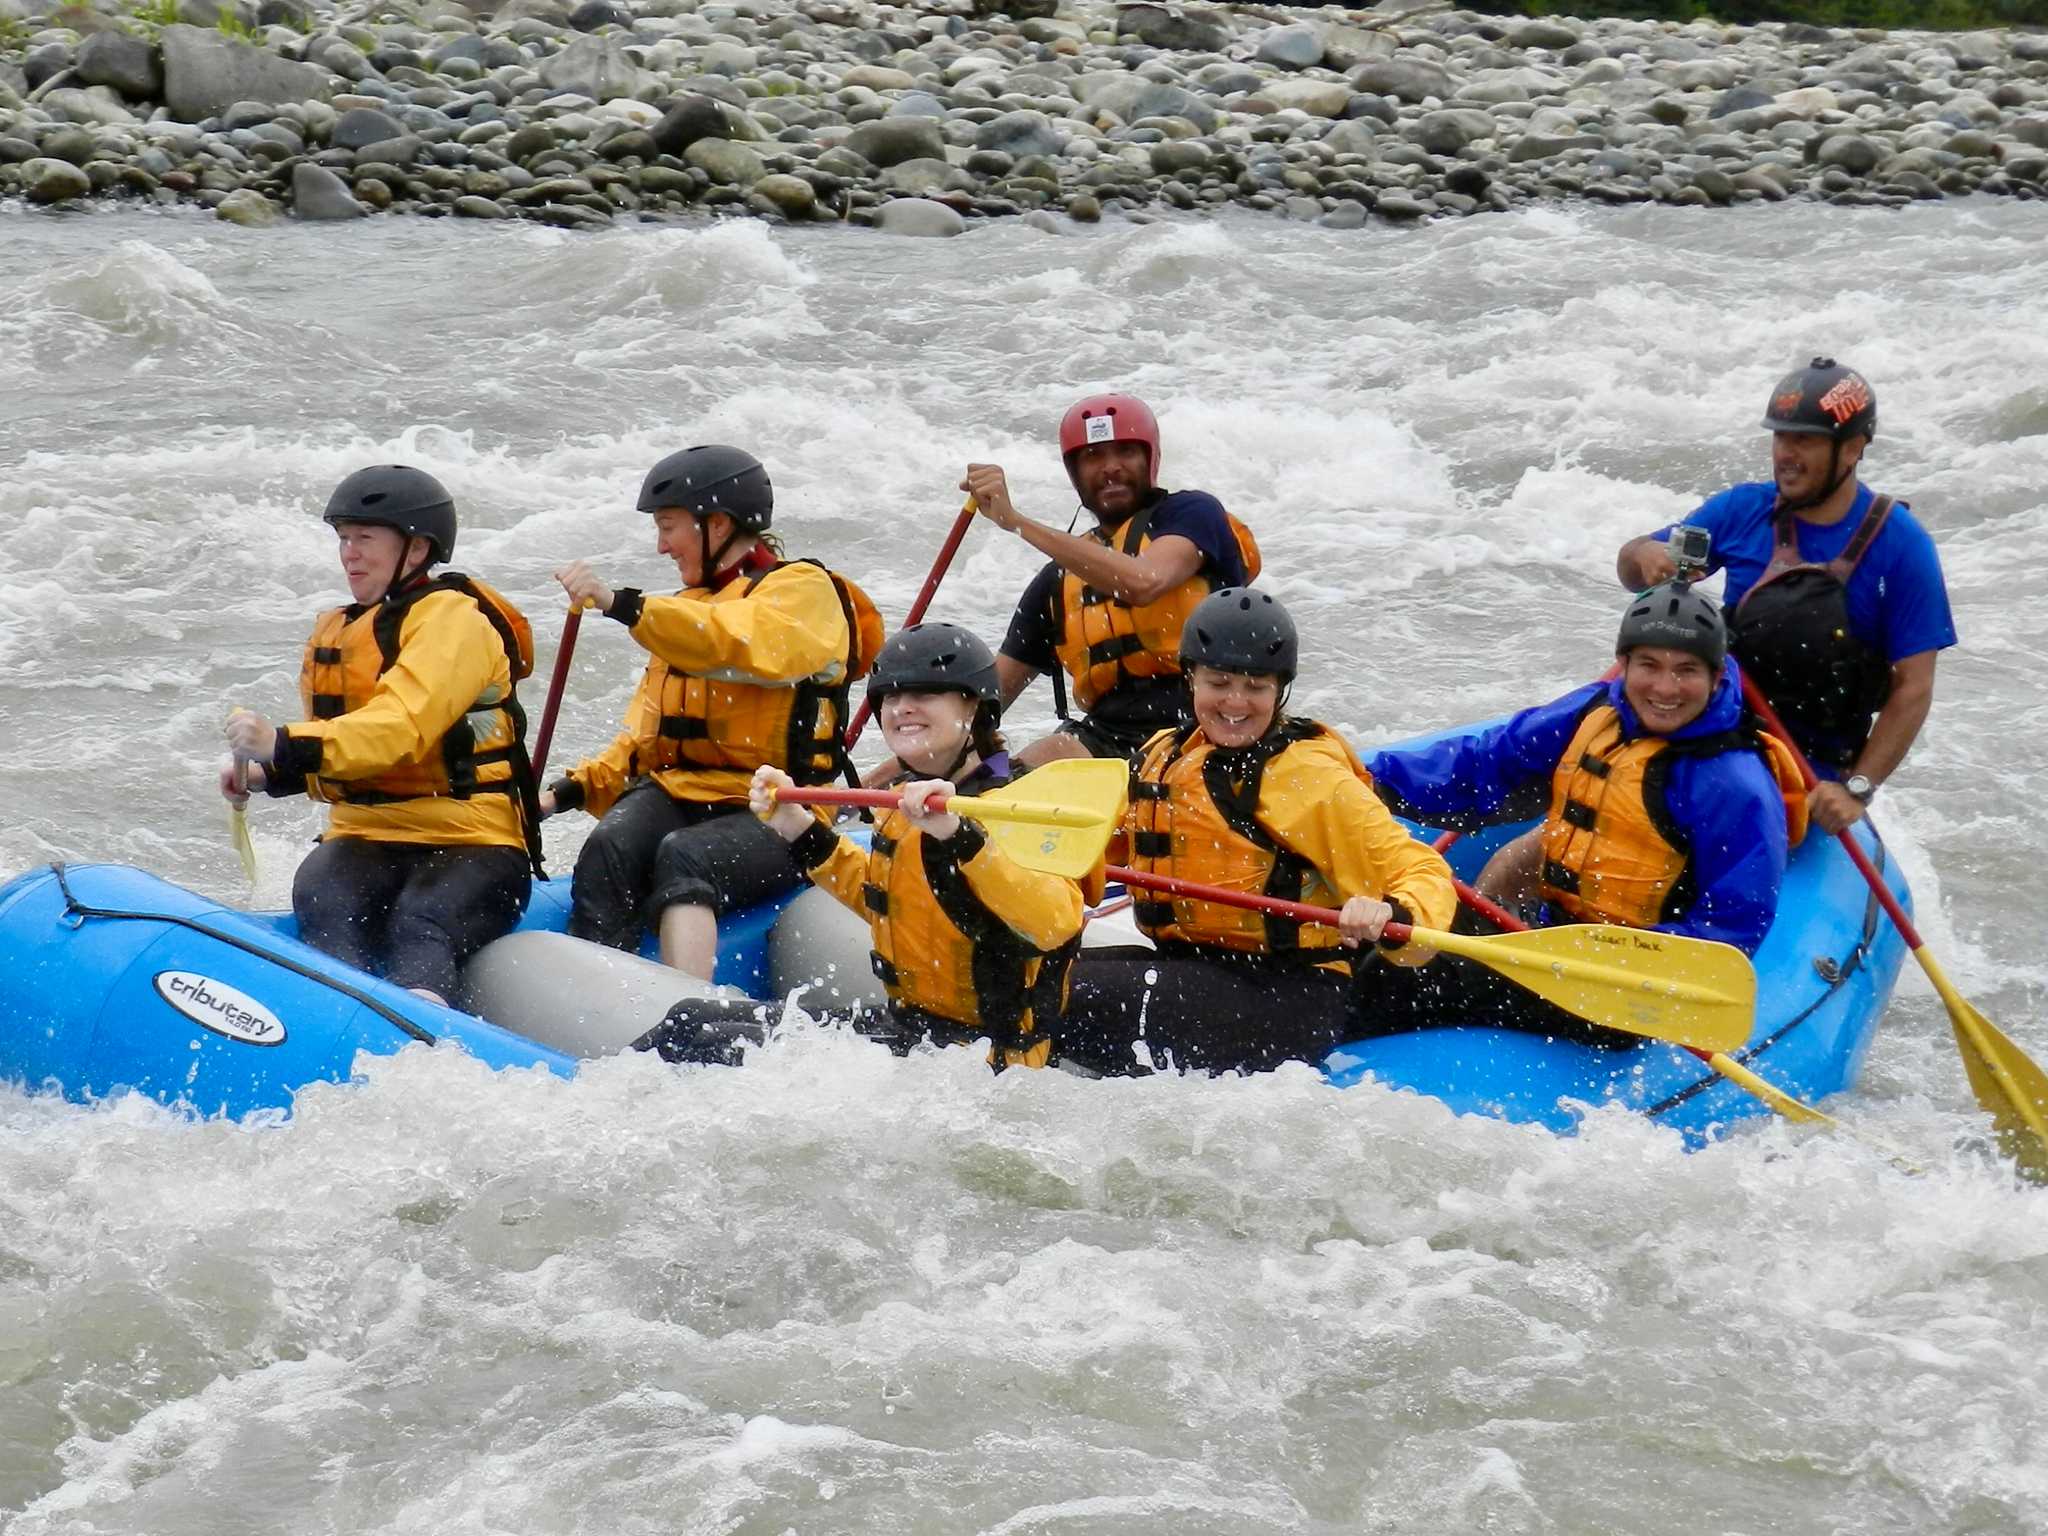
(952, 966)
(1612, 851)
(1193, 815)
(484, 752)
(741, 726)
(1102, 641)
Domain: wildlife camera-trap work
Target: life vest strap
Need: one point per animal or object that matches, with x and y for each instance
(1577, 813)
(1115, 648)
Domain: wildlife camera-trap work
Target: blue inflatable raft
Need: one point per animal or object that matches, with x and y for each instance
(122, 981)
(1824, 974)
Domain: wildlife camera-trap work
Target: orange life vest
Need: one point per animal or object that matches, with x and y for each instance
(484, 752)
(1102, 641)
(1612, 851)
(708, 723)
(1193, 815)
(951, 965)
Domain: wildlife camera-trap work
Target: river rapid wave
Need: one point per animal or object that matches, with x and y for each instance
(834, 1291)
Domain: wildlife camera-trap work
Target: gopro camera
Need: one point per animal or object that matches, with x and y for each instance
(1689, 549)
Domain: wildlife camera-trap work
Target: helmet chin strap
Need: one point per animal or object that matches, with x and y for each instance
(401, 578)
(1837, 476)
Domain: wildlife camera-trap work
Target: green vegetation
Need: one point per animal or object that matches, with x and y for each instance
(1921, 15)
(156, 13)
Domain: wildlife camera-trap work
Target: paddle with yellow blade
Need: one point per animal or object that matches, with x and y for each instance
(238, 823)
(2007, 1083)
(1796, 1110)
(1058, 819)
(238, 809)
(1663, 986)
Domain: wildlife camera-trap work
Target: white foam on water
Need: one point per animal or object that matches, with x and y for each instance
(835, 1290)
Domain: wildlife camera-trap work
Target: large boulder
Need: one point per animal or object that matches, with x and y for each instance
(892, 140)
(362, 126)
(688, 119)
(1449, 130)
(1020, 134)
(1132, 97)
(1318, 98)
(205, 73)
(597, 67)
(1299, 46)
(54, 181)
(128, 64)
(1176, 27)
(918, 216)
(1402, 79)
(317, 193)
(726, 163)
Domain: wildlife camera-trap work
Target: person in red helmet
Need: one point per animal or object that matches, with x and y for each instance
(1104, 618)
(1837, 607)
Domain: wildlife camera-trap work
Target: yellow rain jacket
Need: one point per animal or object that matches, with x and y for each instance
(1292, 816)
(753, 672)
(415, 734)
(963, 935)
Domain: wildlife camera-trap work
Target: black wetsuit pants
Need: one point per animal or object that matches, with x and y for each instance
(411, 912)
(1451, 990)
(652, 852)
(709, 1031)
(1193, 1011)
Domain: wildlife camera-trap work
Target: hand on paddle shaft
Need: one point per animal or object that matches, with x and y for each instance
(772, 797)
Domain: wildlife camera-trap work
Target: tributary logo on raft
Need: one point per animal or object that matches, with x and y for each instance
(219, 1007)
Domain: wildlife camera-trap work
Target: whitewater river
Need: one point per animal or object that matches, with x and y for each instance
(836, 1292)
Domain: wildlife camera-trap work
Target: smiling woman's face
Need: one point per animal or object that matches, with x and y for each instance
(927, 730)
(1234, 709)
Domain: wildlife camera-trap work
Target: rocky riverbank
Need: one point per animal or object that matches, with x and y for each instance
(919, 118)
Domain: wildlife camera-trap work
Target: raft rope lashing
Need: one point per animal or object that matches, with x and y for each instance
(73, 907)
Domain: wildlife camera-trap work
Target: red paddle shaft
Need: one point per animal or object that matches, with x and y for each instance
(947, 550)
(1300, 911)
(546, 733)
(1754, 697)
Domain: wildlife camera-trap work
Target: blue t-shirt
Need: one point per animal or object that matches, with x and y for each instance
(1195, 516)
(1898, 602)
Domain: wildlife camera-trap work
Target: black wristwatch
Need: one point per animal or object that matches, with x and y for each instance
(1860, 789)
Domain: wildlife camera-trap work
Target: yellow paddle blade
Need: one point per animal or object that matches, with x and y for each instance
(238, 829)
(1664, 986)
(2013, 1091)
(1088, 795)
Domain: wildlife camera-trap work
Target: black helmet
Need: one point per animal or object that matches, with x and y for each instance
(397, 496)
(1238, 629)
(1823, 399)
(712, 478)
(1676, 615)
(935, 656)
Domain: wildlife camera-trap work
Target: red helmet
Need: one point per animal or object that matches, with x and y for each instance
(1110, 419)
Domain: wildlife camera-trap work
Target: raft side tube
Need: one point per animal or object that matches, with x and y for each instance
(126, 982)
(576, 997)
